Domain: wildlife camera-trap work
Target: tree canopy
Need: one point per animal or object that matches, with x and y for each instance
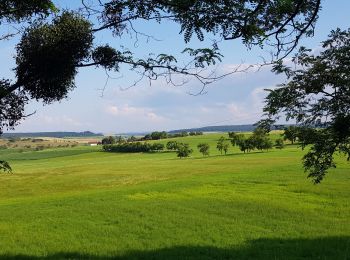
(51, 50)
(317, 97)
(54, 43)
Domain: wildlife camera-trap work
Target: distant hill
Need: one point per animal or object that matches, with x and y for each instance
(51, 134)
(218, 128)
(222, 128)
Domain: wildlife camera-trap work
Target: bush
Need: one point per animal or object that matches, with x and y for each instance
(108, 140)
(159, 135)
(246, 145)
(203, 148)
(259, 140)
(222, 145)
(236, 138)
(183, 150)
(172, 145)
(157, 147)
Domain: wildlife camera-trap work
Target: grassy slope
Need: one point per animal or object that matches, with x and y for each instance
(82, 203)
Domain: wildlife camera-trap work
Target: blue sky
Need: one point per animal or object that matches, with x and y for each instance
(237, 99)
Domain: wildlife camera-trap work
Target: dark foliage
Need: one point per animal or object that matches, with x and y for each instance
(183, 150)
(134, 147)
(11, 107)
(251, 21)
(204, 148)
(291, 133)
(108, 140)
(51, 50)
(222, 145)
(5, 167)
(317, 94)
(48, 54)
(19, 10)
(172, 145)
(157, 147)
(258, 140)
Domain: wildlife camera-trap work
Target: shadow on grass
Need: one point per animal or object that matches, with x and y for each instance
(227, 155)
(321, 248)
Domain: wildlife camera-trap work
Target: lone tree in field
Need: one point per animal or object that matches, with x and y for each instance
(317, 94)
(55, 44)
(184, 150)
(204, 148)
(222, 145)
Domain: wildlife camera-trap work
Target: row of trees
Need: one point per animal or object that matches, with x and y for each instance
(135, 147)
(182, 149)
(300, 134)
(152, 136)
(258, 140)
(164, 135)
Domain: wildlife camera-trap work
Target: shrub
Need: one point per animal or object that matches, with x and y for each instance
(222, 145)
(108, 140)
(203, 148)
(172, 145)
(183, 150)
(236, 138)
(157, 147)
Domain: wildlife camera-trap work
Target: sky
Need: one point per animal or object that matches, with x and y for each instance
(237, 99)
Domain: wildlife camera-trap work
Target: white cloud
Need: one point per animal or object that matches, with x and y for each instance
(43, 122)
(134, 112)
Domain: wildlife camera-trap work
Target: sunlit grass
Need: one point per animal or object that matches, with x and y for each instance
(83, 203)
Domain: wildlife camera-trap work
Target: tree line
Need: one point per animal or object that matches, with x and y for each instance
(258, 140)
(156, 135)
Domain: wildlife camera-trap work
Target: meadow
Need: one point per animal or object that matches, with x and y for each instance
(81, 203)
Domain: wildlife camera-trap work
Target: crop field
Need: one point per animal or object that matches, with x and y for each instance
(79, 202)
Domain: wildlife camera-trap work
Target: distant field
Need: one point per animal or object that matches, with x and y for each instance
(79, 203)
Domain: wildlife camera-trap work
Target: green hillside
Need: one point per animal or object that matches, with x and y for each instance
(83, 203)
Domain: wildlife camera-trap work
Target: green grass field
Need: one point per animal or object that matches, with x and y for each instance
(82, 203)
